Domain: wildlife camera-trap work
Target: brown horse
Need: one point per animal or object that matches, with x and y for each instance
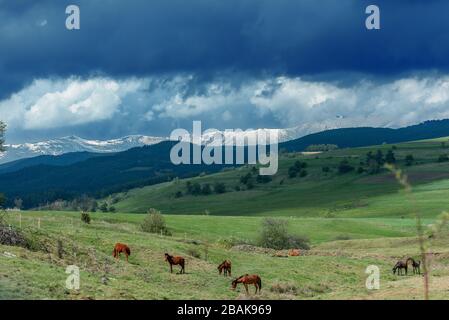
(246, 280)
(174, 260)
(399, 266)
(119, 248)
(416, 265)
(226, 267)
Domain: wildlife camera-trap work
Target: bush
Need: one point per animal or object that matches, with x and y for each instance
(85, 217)
(298, 242)
(206, 189)
(443, 158)
(409, 159)
(325, 169)
(288, 288)
(219, 187)
(345, 167)
(274, 234)
(303, 173)
(178, 194)
(263, 179)
(360, 170)
(154, 222)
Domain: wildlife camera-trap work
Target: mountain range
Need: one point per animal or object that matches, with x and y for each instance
(47, 178)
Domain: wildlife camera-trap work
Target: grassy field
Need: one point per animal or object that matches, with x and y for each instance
(353, 220)
(332, 269)
(316, 195)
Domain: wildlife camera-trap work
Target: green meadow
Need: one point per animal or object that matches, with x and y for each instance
(352, 219)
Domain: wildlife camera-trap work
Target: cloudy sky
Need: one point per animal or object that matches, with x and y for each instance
(148, 67)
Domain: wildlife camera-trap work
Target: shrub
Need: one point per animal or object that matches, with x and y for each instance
(289, 288)
(298, 242)
(206, 189)
(11, 237)
(112, 209)
(85, 217)
(409, 159)
(178, 194)
(104, 207)
(274, 234)
(292, 172)
(303, 173)
(443, 158)
(263, 179)
(326, 169)
(154, 222)
(345, 167)
(219, 187)
(360, 170)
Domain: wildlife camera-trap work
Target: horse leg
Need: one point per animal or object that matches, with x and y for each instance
(229, 271)
(246, 288)
(171, 268)
(126, 257)
(256, 288)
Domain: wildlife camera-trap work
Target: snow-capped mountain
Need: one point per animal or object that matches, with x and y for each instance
(77, 144)
(74, 144)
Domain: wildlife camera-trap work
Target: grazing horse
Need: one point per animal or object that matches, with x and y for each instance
(226, 267)
(416, 265)
(174, 260)
(246, 280)
(119, 248)
(399, 266)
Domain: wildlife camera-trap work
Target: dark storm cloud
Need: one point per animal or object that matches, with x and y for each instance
(208, 37)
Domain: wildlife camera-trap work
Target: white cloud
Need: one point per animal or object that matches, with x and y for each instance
(286, 102)
(55, 103)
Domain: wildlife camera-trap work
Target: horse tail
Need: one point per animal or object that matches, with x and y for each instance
(259, 281)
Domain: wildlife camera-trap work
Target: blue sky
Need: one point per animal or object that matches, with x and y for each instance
(147, 67)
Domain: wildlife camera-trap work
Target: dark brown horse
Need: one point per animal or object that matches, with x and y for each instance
(174, 260)
(246, 280)
(416, 265)
(226, 267)
(121, 248)
(399, 266)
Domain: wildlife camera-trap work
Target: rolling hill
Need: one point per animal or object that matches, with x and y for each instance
(47, 178)
(318, 194)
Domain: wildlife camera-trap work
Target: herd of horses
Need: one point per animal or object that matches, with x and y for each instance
(225, 267)
(400, 266)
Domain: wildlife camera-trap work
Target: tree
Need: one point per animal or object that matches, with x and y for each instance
(409, 159)
(390, 158)
(206, 189)
(219, 187)
(443, 158)
(345, 167)
(104, 207)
